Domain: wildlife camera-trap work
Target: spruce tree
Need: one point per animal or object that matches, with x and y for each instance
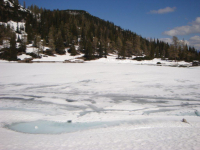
(136, 45)
(119, 45)
(100, 50)
(129, 48)
(88, 51)
(24, 4)
(60, 49)
(13, 49)
(51, 40)
(22, 47)
(152, 49)
(105, 49)
(123, 52)
(94, 44)
(17, 30)
(73, 50)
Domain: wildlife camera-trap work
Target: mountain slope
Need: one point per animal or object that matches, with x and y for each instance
(96, 38)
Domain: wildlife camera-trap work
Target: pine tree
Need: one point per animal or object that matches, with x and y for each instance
(24, 5)
(73, 50)
(94, 44)
(185, 51)
(145, 48)
(22, 47)
(13, 49)
(152, 50)
(88, 51)
(123, 52)
(51, 40)
(129, 48)
(157, 52)
(119, 45)
(17, 30)
(60, 49)
(106, 49)
(136, 45)
(100, 50)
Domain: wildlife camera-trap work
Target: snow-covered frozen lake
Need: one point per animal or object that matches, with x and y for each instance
(117, 105)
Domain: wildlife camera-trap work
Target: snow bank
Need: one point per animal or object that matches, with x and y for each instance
(57, 58)
(23, 56)
(111, 58)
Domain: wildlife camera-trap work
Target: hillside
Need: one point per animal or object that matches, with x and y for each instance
(95, 38)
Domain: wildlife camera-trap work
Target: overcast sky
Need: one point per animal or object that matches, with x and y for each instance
(160, 19)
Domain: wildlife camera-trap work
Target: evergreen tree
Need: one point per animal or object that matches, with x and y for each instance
(73, 50)
(129, 48)
(100, 50)
(123, 52)
(136, 45)
(119, 45)
(145, 48)
(60, 49)
(51, 40)
(106, 49)
(24, 4)
(22, 47)
(17, 30)
(88, 51)
(13, 49)
(94, 44)
(185, 52)
(152, 50)
(157, 52)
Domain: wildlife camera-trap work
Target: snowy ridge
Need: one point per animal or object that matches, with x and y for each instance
(11, 4)
(8, 1)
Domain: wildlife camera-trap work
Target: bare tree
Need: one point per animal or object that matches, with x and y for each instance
(38, 44)
(173, 50)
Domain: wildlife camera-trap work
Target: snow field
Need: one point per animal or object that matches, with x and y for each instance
(148, 101)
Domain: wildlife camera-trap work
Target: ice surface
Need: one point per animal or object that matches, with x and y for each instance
(153, 98)
(50, 127)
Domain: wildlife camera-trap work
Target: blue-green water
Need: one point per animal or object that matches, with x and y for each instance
(50, 127)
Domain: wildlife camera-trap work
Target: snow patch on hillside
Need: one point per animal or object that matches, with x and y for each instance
(10, 4)
(13, 25)
(23, 56)
(58, 58)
